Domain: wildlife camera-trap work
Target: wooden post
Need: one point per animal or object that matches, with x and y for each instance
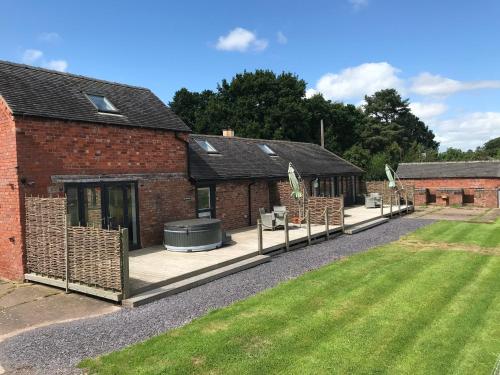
(382, 205)
(342, 213)
(406, 202)
(125, 266)
(287, 238)
(66, 250)
(399, 203)
(327, 224)
(390, 207)
(308, 219)
(259, 236)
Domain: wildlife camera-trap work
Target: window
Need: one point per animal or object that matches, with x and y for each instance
(102, 103)
(207, 146)
(267, 150)
(205, 199)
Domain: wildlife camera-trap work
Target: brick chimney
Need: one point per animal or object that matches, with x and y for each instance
(228, 133)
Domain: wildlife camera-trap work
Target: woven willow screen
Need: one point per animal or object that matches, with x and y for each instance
(45, 236)
(317, 206)
(94, 254)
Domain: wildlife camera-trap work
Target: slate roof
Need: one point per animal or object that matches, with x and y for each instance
(46, 93)
(463, 169)
(241, 158)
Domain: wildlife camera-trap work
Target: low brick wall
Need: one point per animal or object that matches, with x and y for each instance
(480, 192)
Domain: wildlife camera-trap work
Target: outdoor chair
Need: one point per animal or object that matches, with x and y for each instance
(372, 200)
(279, 215)
(268, 220)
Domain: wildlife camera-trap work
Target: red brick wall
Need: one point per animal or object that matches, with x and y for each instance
(232, 202)
(480, 192)
(11, 243)
(161, 201)
(51, 147)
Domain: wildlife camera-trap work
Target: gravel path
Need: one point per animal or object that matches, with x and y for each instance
(58, 348)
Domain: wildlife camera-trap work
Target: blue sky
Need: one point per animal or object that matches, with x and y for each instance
(443, 55)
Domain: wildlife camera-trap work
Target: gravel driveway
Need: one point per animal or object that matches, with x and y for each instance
(58, 348)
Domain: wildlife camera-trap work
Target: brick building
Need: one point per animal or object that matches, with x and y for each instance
(236, 176)
(124, 159)
(460, 183)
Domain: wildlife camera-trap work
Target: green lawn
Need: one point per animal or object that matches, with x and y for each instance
(486, 235)
(393, 309)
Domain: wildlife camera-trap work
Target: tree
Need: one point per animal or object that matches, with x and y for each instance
(492, 148)
(266, 105)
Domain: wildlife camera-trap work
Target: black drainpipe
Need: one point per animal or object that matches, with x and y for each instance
(250, 203)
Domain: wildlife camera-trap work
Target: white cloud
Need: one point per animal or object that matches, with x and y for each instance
(436, 85)
(358, 4)
(59, 65)
(241, 40)
(30, 56)
(355, 82)
(281, 38)
(49, 37)
(426, 111)
(467, 131)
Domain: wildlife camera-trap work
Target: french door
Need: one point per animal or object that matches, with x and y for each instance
(105, 205)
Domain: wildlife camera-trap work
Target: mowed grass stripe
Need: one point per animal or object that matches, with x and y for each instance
(486, 235)
(331, 313)
(384, 331)
(462, 317)
(337, 330)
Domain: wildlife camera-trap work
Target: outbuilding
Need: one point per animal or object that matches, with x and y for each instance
(475, 183)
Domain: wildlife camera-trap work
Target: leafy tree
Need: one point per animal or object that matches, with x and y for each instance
(266, 105)
(492, 148)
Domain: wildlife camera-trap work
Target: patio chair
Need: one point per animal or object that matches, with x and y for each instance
(268, 220)
(372, 200)
(279, 215)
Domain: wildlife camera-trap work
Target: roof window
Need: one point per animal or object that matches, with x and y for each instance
(207, 146)
(267, 150)
(102, 103)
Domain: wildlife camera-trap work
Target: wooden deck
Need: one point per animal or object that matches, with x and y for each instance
(152, 267)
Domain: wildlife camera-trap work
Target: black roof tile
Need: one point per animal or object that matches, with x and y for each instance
(241, 158)
(45, 93)
(457, 169)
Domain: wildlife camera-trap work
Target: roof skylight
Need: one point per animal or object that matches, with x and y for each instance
(102, 103)
(207, 146)
(267, 150)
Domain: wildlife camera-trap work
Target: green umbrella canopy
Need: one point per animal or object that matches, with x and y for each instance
(294, 182)
(390, 177)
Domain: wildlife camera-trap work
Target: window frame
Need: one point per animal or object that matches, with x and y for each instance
(211, 201)
(108, 102)
(210, 147)
(266, 149)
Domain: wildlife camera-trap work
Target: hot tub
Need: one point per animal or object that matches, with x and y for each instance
(193, 235)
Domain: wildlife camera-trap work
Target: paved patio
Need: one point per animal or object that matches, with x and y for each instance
(154, 266)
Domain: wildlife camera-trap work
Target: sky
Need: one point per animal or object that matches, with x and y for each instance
(442, 55)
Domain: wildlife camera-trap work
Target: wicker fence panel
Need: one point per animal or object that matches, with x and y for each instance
(95, 257)
(45, 236)
(382, 188)
(317, 206)
(94, 254)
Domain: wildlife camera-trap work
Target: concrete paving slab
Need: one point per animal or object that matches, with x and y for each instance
(22, 293)
(28, 306)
